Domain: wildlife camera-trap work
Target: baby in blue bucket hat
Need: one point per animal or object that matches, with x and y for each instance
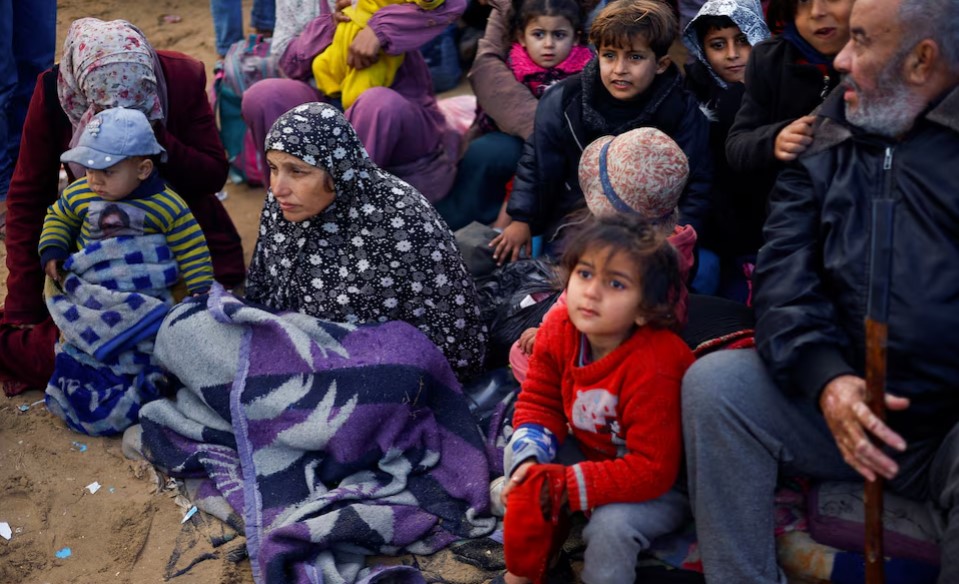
(122, 194)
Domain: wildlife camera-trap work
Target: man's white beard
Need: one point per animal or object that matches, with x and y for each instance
(891, 109)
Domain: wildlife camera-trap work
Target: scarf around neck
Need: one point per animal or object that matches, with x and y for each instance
(814, 57)
(537, 78)
(604, 115)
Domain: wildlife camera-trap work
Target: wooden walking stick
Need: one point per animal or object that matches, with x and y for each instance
(876, 334)
(875, 397)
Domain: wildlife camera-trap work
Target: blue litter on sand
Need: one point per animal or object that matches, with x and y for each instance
(111, 489)
(80, 446)
(189, 514)
(25, 407)
(64, 553)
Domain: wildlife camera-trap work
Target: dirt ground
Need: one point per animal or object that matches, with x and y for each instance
(130, 530)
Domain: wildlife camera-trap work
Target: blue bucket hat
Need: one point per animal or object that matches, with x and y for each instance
(112, 136)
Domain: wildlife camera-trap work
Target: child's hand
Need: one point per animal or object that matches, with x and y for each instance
(338, 15)
(52, 269)
(511, 241)
(516, 479)
(794, 139)
(526, 340)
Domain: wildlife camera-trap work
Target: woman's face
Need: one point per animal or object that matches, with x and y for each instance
(302, 190)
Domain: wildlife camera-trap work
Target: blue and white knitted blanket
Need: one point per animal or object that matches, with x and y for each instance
(328, 442)
(115, 294)
(113, 298)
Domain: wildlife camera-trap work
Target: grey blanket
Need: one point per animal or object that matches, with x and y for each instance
(326, 442)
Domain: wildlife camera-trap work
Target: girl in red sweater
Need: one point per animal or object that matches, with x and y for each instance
(604, 379)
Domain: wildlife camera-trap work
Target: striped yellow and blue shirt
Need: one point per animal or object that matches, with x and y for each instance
(80, 216)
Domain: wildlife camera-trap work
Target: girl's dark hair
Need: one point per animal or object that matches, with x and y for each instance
(780, 13)
(657, 260)
(526, 10)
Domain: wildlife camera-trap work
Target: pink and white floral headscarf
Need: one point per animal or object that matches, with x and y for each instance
(105, 65)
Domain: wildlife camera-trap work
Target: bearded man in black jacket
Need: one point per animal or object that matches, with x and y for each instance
(887, 138)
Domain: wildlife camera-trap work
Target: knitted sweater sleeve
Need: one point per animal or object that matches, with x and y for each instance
(650, 420)
(60, 227)
(188, 245)
(541, 399)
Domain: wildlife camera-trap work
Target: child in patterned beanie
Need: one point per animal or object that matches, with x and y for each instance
(641, 172)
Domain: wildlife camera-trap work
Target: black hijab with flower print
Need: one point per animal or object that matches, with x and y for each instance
(379, 252)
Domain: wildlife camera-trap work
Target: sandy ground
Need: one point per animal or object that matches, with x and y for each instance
(129, 531)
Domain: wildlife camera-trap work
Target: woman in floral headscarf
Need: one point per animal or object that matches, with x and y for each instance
(104, 65)
(343, 240)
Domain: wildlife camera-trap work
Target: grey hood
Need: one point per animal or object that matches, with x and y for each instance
(748, 16)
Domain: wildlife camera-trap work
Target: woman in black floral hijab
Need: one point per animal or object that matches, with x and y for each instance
(344, 241)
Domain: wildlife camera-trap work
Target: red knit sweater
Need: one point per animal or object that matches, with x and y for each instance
(622, 409)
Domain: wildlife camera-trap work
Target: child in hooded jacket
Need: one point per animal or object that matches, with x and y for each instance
(721, 37)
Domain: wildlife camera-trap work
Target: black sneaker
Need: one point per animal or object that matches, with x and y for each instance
(561, 572)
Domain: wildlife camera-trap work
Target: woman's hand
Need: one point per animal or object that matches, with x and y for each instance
(364, 50)
(518, 476)
(794, 139)
(526, 340)
(515, 238)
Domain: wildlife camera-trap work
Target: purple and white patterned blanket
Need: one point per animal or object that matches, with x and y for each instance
(328, 442)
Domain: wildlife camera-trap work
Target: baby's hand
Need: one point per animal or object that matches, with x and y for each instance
(508, 244)
(526, 340)
(52, 269)
(794, 139)
(518, 476)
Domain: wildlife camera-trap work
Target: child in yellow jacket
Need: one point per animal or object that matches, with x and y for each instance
(334, 77)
